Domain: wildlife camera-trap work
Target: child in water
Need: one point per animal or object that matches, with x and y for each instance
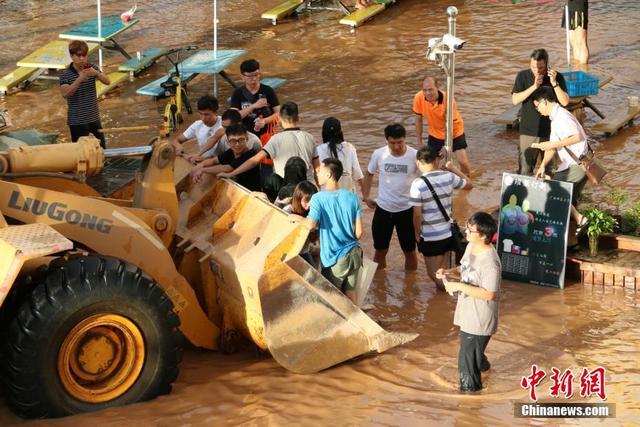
(299, 208)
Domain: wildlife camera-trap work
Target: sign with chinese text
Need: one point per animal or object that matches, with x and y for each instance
(534, 224)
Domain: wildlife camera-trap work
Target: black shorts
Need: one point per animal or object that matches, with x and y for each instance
(459, 143)
(382, 228)
(435, 247)
(578, 14)
(84, 130)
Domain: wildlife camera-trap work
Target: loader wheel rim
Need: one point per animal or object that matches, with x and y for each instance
(101, 358)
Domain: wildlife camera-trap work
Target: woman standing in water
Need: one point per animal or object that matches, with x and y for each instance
(478, 295)
(337, 148)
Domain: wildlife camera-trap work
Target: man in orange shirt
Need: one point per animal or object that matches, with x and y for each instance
(431, 103)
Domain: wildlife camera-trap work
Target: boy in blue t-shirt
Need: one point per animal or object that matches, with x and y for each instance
(336, 214)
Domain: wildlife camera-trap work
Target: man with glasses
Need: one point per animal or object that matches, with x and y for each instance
(567, 137)
(258, 103)
(535, 128)
(291, 142)
(478, 287)
(236, 155)
(218, 144)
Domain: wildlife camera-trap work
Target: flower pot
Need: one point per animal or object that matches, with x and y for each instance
(593, 245)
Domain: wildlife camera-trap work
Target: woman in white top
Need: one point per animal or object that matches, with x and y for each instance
(334, 146)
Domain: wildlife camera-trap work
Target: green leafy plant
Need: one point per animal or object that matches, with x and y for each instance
(600, 222)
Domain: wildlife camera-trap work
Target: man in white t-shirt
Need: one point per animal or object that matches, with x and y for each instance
(291, 142)
(396, 165)
(207, 129)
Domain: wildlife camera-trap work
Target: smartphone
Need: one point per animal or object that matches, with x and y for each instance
(444, 282)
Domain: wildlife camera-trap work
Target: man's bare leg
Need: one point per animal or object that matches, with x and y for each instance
(578, 39)
(380, 256)
(463, 160)
(411, 260)
(352, 296)
(576, 215)
(433, 263)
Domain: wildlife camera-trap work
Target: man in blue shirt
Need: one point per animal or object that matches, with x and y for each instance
(336, 213)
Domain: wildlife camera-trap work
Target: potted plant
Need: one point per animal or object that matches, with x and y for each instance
(599, 222)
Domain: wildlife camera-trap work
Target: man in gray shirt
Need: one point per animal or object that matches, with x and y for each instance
(291, 142)
(478, 295)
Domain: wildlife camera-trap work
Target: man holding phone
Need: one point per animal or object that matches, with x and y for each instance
(535, 128)
(78, 87)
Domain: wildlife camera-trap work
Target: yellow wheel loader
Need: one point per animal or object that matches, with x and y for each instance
(136, 258)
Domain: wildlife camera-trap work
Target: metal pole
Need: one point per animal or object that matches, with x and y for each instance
(99, 35)
(566, 23)
(452, 11)
(215, 29)
(128, 151)
(215, 45)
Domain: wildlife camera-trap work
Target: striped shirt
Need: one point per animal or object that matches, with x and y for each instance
(434, 226)
(83, 104)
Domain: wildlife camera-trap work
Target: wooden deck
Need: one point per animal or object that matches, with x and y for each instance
(617, 120)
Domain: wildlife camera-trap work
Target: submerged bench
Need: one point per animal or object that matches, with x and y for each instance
(282, 10)
(16, 77)
(116, 78)
(147, 58)
(510, 117)
(359, 17)
(617, 120)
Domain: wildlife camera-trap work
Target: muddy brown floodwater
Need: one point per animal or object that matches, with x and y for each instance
(368, 79)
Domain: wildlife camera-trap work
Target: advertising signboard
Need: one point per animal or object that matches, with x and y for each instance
(533, 229)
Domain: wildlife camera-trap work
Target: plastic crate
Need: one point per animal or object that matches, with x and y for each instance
(580, 83)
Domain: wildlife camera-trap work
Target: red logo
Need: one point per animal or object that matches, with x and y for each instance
(591, 382)
(532, 381)
(562, 384)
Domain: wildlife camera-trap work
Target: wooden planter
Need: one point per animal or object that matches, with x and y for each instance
(617, 263)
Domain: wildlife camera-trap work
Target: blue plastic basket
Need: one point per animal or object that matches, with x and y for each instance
(580, 83)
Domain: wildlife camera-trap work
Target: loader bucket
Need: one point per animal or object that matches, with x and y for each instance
(263, 289)
(310, 325)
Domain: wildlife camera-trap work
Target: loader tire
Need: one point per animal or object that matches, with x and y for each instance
(95, 332)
